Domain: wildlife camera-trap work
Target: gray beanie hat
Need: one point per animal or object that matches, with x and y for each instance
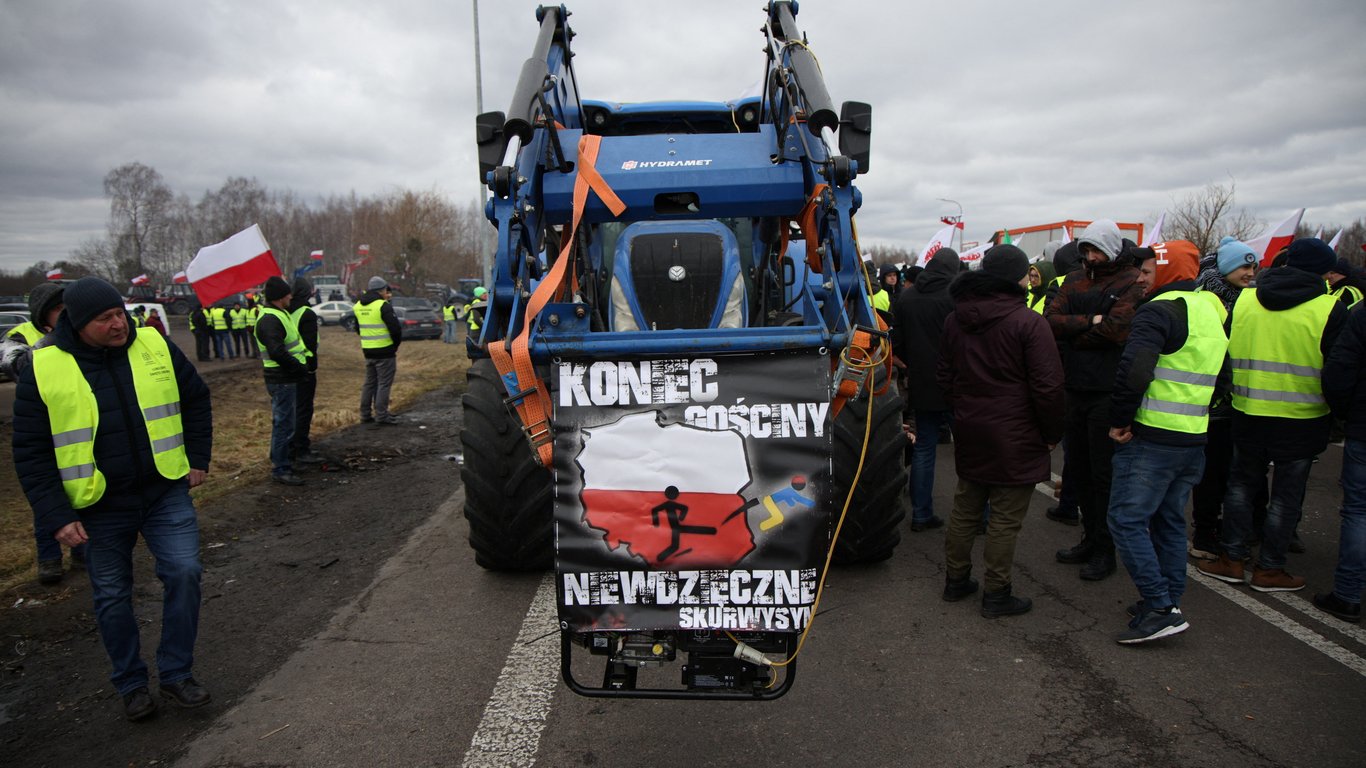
(42, 298)
(377, 283)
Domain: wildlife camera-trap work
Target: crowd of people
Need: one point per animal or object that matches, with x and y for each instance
(1168, 379)
(113, 426)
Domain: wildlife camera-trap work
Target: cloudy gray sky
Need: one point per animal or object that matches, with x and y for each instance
(1023, 112)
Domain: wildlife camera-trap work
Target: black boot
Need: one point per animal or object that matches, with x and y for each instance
(1078, 554)
(1002, 603)
(957, 589)
(1101, 564)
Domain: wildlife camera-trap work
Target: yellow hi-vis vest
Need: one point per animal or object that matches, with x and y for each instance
(882, 301)
(448, 313)
(294, 318)
(1276, 357)
(1036, 304)
(1347, 294)
(220, 318)
(238, 318)
(374, 334)
(74, 414)
(27, 333)
(1183, 382)
(293, 344)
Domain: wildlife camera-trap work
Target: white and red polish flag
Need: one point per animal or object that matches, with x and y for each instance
(240, 262)
(1277, 237)
(1334, 242)
(180, 277)
(55, 273)
(973, 257)
(141, 279)
(316, 255)
(1154, 235)
(942, 239)
(1066, 235)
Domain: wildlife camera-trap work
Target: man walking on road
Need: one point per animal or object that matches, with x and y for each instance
(1280, 335)
(1174, 365)
(283, 359)
(380, 337)
(1091, 317)
(1000, 372)
(112, 428)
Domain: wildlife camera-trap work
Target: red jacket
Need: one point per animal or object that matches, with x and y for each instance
(1000, 371)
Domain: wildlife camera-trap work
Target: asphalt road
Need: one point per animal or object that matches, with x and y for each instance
(442, 663)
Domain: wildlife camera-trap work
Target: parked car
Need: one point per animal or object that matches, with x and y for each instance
(151, 309)
(331, 312)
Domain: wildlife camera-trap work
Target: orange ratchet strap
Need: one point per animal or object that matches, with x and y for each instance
(526, 392)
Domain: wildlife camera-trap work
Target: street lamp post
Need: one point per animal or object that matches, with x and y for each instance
(959, 220)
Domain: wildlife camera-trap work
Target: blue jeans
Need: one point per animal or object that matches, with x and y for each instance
(222, 346)
(1282, 511)
(1350, 577)
(1147, 515)
(450, 332)
(283, 399)
(927, 427)
(171, 532)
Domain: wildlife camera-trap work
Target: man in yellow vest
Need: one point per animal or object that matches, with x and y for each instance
(112, 428)
(448, 317)
(252, 312)
(284, 359)
(237, 324)
(1279, 336)
(306, 323)
(222, 340)
(380, 336)
(1174, 365)
(44, 306)
(1345, 283)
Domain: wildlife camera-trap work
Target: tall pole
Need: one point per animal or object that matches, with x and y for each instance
(485, 254)
(960, 221)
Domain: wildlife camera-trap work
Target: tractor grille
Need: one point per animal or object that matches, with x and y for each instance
(687, 303)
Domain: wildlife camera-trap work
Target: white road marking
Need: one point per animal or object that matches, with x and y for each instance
(509, 733)
(1307, 608)
(1277, 619)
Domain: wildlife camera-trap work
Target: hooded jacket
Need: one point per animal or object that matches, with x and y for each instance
(123, 451)
(1279, 289)
(390, 321)
(1091, 351)
(302, 290)
(1000, 372)
(1046, 275)
(1344, 375)
(918, 325)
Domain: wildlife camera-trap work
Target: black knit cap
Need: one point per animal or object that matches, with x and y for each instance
(86, 298)
(1006, 261)
(276, 288)
(41, 299)
(1311, 255)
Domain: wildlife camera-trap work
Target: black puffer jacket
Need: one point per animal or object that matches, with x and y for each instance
(123, 452)
(271, 333)
(1344, 374)
(919, 314)
(1279, 289)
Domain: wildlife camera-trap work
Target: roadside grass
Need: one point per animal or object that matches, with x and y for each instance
(241, 426)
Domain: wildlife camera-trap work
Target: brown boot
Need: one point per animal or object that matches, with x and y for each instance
(1223, 569)
(1275, 580)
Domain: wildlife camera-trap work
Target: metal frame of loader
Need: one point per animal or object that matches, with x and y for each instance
(774, 172)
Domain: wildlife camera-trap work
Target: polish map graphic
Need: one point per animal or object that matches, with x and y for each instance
(670, 494)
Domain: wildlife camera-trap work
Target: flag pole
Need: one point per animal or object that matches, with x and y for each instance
(960, 220)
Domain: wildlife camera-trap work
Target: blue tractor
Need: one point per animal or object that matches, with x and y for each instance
(673, 231)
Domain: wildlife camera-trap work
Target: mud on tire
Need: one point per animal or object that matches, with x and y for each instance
(872, 527)
(508, 495)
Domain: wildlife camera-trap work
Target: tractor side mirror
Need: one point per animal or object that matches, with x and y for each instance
(488, 134)
(856, 132)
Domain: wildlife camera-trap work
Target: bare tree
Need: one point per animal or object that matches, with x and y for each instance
(138, 202)
(1206, 216)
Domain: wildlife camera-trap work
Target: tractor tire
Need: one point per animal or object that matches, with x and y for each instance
(872, 527)
(508, 494)
(179, 307)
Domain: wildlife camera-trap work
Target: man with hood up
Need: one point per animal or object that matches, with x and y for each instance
(1041, 274)
(1173, 367)
(306, 323)
(1066, 262)
(999, 370)
(1091, 317)
(1280, 334)
(917, 326)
